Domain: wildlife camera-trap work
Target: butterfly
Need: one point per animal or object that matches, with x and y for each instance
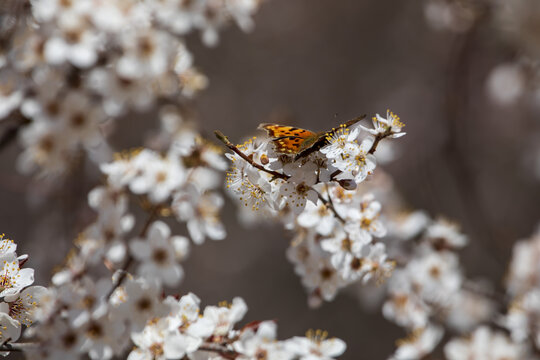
(300, 142)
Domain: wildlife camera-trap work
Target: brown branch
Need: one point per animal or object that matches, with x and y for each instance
(224, 352)
(378, 139)
(231, 146)
(19, 347)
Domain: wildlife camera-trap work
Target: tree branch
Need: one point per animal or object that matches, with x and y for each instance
(231, 146)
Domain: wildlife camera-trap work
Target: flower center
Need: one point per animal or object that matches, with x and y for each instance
(144, 304)
(159, 256)
(356, 263)
(5, 282)
(435, 272)
(346, 244)
(161, 176)
(326, 273)
(156, 349)
(69, 340)
(302, 188)
(94, 330)
(78, 120)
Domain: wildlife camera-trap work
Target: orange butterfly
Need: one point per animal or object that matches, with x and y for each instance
(300, 142)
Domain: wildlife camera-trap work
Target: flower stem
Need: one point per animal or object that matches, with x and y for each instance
(329, 204)
(378, 139)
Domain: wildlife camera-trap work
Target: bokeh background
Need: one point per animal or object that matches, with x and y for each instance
(315, 63)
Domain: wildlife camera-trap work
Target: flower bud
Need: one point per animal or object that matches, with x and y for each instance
(348, 184)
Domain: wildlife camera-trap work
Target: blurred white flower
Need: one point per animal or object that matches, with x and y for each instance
(506, 83)
(484, 344)
(158, 342)
(261, 343)
(159, 254)
(316, 346)
(141, 304)
(524, 269)
(408, 225)
(469, 309)
(363, 223)
(523, 318)
(406, 309)
(10, 99)
(200, 211)
(75, 41)
(419, 344)
(443, 234)
(146, 53)
(156, 176)
(456, 16)
(317, 216)
(101, 335)
(223, 318)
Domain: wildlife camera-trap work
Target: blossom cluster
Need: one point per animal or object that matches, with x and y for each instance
(19, 304)
(188, 330)
(169, 327)
(340, 237)
(429, 294)
(428, 291)
(520, 338)
(114, 282)
(75, 66)
(72, 68)
(317, 197)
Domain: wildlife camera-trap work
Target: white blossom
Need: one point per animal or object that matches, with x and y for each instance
(316, 346)
(484, 344)
(420, 343)
(159, 254)
(14, 279)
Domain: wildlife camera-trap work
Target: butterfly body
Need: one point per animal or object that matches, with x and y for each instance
(299, 142)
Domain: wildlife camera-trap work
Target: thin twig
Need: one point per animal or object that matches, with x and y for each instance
(226, 353)
(378, 139)
(332, 204)
(19, 347)
(231, 146)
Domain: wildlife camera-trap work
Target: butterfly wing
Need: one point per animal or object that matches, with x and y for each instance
(287, 139)
(280, 131)
(300, 142)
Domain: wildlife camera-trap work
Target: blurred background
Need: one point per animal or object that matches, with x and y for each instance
(314, 64)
